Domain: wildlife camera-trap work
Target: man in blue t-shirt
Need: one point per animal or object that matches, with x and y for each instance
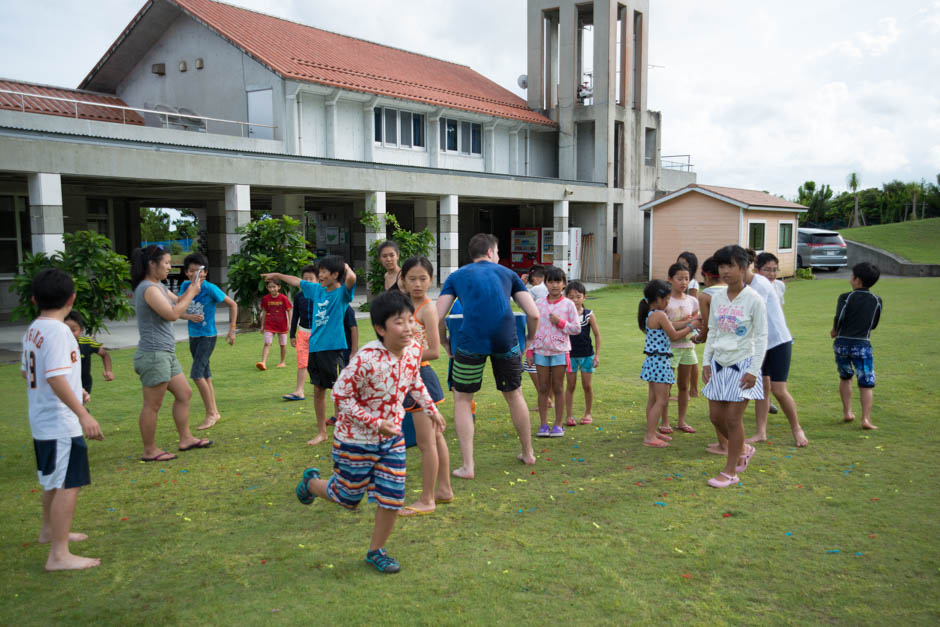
(202, 331)
(488, 330)
(330, 298)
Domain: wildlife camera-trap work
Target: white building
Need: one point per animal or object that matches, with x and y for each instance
(211, 107)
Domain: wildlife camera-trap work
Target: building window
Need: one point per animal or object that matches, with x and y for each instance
(784, 236)
(99, 217)
(460, 136)
(398, 129)
(650, 147)
(14, 234)
(755, 235)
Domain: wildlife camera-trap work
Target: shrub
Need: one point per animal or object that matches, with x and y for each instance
(101, 277)
(805, 274)
(409, 245)
(268, 245)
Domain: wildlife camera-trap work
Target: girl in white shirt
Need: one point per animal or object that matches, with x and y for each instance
(734, 351)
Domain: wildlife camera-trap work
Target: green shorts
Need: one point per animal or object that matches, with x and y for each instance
(684, 357)
(156, 367)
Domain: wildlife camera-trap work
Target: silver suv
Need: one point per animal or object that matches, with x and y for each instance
(818, 248)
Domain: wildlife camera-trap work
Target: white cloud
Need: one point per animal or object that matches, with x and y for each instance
(865, 43)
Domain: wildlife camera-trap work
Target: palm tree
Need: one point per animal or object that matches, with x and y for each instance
(853, 181)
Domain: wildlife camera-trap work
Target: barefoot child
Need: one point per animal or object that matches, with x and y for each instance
(657, 368)
(857, 315)
(712, 284)
(202, 332)
(737, 339)
(57, 418)
(368, 447)
(558, 320)
(330, 297)
(416, 276)
(681, 309)
(87, 347)
(776, 363)
(275, 320)
(583, 355)
(300, 324)
(691, 262)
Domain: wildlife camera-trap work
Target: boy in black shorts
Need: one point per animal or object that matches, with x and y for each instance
(57, 417)
(330, 297)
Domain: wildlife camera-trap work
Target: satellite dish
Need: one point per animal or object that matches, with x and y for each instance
(523, 81)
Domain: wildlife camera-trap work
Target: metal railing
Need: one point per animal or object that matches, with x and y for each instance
(169, 119)
(667, 164)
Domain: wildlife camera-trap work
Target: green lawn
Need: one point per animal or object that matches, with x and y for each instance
(916, 241)
(602, 530)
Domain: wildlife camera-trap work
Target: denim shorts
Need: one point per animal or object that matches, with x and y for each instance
(584, 364)
(552, 360)
(201, 347)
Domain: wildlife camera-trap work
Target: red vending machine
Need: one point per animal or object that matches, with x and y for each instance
(525, 248)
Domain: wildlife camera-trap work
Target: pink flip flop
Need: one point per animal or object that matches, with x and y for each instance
(728, 481)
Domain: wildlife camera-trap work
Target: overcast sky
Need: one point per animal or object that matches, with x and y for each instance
(763, 95)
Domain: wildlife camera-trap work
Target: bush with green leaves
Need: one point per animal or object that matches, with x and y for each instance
(268, 245)
(409, 245)
(805, 274)
(101, 280)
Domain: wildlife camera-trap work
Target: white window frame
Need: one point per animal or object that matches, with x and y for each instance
(792, 224)
(463, 151)
(397, 143)
(751, 221)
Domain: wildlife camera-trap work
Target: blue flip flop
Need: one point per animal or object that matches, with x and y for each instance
(294, 397)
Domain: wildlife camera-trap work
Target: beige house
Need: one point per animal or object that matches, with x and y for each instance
(703, 218)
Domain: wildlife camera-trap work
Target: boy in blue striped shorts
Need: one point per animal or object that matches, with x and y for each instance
(368, 446)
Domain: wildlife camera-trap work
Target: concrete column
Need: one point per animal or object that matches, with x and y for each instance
(448, 238)
(605, 69)
(288, 205)
(330, 116)
(489, 146)
(514, 151)
(237, 213)
(426, 218)
(434, 141)
(567, 89)
(375, 203)
(560, 224)
(368, 130)
(45, 213)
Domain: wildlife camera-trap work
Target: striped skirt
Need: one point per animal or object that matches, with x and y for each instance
(725, 383)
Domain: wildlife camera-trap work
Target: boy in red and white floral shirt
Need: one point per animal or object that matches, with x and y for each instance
(368, 446)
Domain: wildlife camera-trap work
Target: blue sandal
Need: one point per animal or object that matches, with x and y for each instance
(303, 494)
(383, 562)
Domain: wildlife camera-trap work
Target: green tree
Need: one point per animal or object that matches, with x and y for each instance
(853, 182)
(268, 245)
(816, 200)
(100, 274)
(185, 229)
(409, 245)
(154, 225)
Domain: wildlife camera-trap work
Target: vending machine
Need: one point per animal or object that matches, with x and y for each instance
(525, 248)
(547, 248)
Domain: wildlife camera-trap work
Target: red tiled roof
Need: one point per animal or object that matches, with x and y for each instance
(750, 197)
(47, 106)
(308, 54)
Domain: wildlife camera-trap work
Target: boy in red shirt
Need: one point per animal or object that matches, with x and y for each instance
(275, 320)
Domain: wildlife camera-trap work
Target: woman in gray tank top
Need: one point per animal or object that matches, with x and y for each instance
(155, 360)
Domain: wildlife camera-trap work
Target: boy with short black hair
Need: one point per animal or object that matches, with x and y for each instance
(203, 333)
(857, 315)
(368, 446)
(57, 417)
(331, 296)
(88, 346)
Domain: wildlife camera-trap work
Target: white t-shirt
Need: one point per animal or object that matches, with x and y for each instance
(538, 291)
(777, 331)
(50, 350)
(781, 288)
(693, 285)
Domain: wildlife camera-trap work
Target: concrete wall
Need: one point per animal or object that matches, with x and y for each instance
(673, 180)
(888, 262)
(218, 90)
(541, 154)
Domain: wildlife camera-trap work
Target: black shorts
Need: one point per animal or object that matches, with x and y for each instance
(432, 383)
(62, 463)
(777, 362)
(468, 370)
(324, 367)
(201, 347)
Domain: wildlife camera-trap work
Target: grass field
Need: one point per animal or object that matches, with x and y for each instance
(601, 531)
(916, 241)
